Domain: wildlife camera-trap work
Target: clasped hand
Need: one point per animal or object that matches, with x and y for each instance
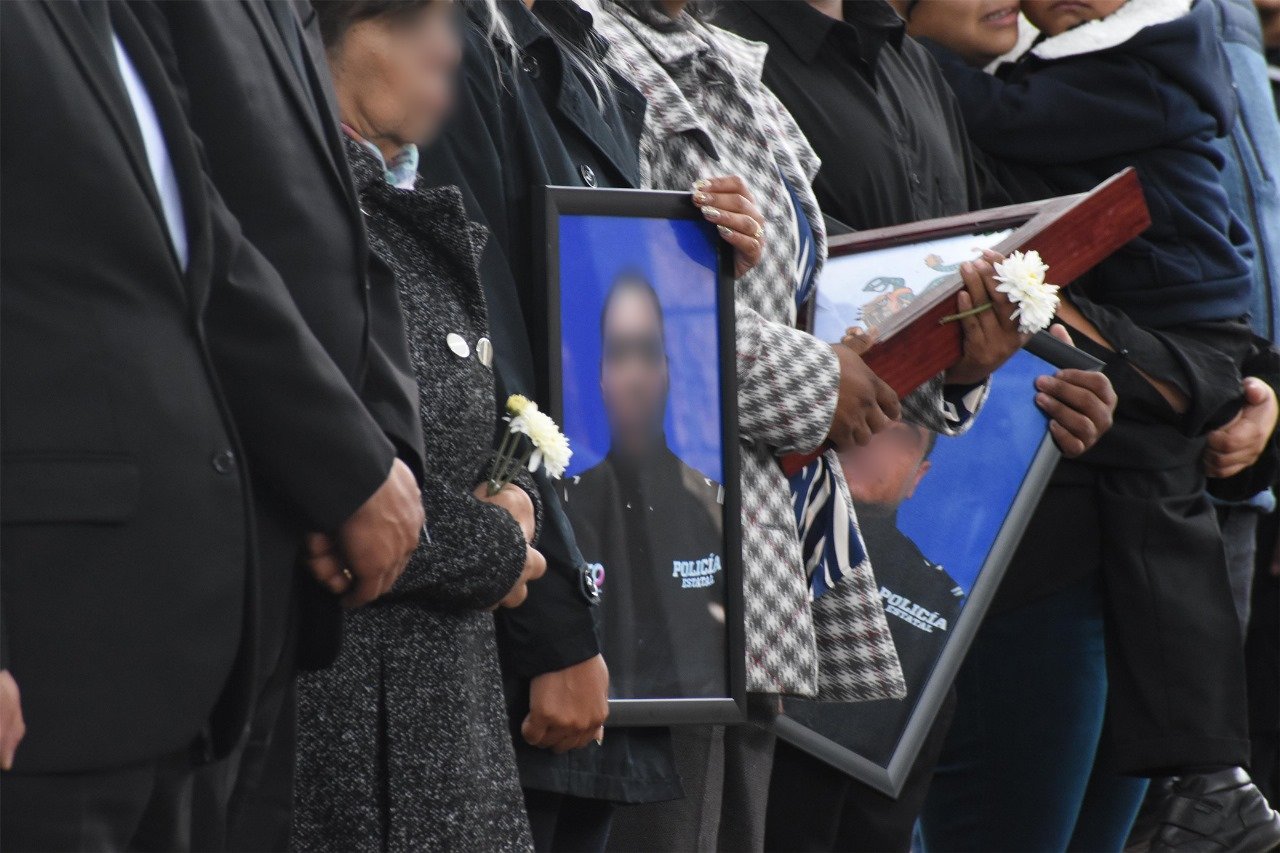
(1238, 444)
(371, 548)
(516, 501)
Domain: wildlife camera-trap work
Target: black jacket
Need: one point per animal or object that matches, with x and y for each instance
(130, 388)
(1074, 115)
(922, 603)
(862, 87)
(515, 129)
(276, 159)
(654, 530)
(519, 126)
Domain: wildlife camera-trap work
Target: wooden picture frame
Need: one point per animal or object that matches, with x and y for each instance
(1072, 233)
(589, 241)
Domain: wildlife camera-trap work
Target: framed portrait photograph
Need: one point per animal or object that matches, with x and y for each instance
(900, 283)
(941, 517)
(643, 383)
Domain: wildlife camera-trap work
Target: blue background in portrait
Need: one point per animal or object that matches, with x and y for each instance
(678, 256)
(961, 503)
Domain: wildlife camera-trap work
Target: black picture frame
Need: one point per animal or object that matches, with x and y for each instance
(826, 730)
(556, 203)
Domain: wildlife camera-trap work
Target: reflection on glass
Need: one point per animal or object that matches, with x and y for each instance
(864, 289)
(930, 510)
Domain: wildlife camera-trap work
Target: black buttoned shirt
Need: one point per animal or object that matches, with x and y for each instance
(873, 105)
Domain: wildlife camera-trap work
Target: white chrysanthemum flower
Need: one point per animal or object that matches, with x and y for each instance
(517, 403)
(550, 447)
(1021, 277)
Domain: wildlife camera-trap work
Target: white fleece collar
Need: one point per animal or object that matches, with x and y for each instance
(1115, 29)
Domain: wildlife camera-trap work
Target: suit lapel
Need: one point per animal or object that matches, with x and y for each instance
(104, 79)
(179, 142)
(575, 104)
(313, 48)
(284, 69)
(323, 127)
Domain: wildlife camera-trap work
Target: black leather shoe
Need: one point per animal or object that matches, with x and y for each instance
(1220, 812)
(1147, 824)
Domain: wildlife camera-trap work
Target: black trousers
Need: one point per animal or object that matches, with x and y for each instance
(141, 807)
(1175, 668)
(814, 807)
(565, 824)
(1262, 662)
(245, 801)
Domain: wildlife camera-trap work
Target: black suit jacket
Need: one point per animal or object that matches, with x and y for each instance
(134, 396)
(274, 152)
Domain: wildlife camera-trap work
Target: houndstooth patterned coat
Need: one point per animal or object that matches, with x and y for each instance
(709, 114)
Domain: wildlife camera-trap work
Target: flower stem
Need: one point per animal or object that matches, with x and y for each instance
(501, 461)
(974, 311)
(513, 467)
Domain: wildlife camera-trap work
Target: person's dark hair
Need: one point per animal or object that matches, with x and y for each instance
(337, 16)
(634, 280)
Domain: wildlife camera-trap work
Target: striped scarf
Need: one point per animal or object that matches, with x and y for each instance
(829, 536)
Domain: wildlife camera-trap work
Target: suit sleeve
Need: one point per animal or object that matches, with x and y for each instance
(307, 434)
(1037, 120)
(389, 389)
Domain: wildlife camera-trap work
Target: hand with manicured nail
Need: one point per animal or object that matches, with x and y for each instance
(728, 204)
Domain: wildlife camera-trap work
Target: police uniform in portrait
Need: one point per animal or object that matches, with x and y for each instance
(922, 602)
(652, 530)
(649, 525)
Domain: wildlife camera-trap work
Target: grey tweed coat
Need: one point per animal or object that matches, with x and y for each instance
(709, 114)
(403, 744)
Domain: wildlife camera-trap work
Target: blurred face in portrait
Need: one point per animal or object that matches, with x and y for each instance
(1055, 17)
(979, 31)
(886, 471)
(634, 379)
(394, 73)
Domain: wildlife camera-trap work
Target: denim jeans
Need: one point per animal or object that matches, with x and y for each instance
(1018, 769)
